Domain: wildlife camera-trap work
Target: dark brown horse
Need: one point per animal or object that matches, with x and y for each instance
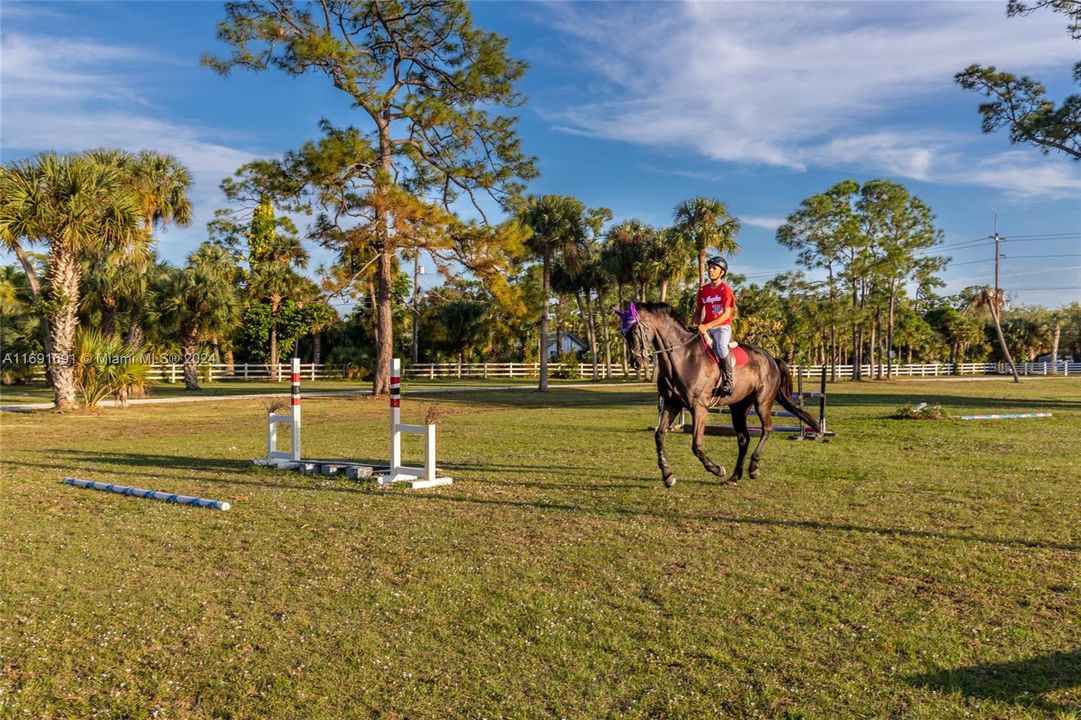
(688, 374)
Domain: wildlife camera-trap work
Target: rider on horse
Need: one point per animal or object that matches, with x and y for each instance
(716, 309)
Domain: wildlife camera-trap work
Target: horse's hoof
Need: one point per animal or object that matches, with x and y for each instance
(719, 471)
(753, 474)
(669, 481)
(736, 477)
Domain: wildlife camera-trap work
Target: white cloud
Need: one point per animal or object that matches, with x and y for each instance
(801, 85)
(69, 95)
(769, 223)
(1021, 173)
(940, 158)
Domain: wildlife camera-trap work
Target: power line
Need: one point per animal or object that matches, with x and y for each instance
(1027, 257)
(1045, 235)
(1042, 239)
(1018, 289)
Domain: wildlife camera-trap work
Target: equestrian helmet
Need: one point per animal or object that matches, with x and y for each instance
(719, 262)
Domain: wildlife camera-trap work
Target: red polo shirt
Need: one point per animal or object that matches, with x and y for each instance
(715, 300)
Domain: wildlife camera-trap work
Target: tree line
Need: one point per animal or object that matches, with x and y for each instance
(431, 158)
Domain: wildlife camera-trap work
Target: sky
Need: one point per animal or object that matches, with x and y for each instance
(631, 106)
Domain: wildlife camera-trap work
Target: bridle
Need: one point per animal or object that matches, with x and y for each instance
(651, 353)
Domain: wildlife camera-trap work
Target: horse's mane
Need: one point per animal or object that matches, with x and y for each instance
(664, 310)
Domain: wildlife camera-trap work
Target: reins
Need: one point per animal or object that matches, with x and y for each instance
(651, 353)
(674, 347)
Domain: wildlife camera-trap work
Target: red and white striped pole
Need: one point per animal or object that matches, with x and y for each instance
(395, 416)
(294, 398)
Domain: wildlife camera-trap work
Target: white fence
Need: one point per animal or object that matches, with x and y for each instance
(174, 373)
(433, 371)
(170, 373)
(246, 371)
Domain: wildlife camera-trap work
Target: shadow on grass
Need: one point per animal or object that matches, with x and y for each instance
(1022, 682)
(749, 520)
(153, 462)
(165, 462)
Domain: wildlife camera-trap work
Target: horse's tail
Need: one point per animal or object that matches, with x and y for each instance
(785, 397)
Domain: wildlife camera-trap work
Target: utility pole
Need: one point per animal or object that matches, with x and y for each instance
(994, 306)
(997, 238)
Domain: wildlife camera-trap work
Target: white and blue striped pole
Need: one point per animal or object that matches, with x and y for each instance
(1006, 416)
(149, 494)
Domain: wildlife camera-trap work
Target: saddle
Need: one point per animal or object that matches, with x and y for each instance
(738, 352)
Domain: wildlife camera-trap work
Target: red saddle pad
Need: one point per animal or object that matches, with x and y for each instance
(738, 352)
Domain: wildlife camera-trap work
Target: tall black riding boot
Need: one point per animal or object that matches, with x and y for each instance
(727, 365)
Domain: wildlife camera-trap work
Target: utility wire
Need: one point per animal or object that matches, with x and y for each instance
(1027, 257)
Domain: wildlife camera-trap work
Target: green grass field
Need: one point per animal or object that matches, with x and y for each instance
(906, 569)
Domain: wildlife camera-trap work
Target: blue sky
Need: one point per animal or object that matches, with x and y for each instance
(631, 106)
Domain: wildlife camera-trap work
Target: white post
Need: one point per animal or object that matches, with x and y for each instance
(294, 398)
(417, 477)
(429, 453)
(395, 417)
(271, 436)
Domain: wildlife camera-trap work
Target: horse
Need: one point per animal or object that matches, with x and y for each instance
(688, 376)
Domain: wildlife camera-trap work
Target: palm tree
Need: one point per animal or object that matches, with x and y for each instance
(77, 206)
(115, 280)
(992, 300)
(666, 259)
(703, 223)
(557, 222)
(200, 303)
(625, 254)
(160, 184)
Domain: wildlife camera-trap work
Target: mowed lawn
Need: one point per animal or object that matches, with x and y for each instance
(906, 569)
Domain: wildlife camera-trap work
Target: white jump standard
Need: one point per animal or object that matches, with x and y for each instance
(274, 456)
(417, 477)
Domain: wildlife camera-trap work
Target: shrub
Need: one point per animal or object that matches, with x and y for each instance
(106, 366)
(920, 411)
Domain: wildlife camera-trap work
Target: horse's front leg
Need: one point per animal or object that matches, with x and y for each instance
(700, 413)
(667, 411)
(743, 436)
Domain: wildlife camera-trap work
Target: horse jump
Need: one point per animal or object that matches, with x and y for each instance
(416, 477)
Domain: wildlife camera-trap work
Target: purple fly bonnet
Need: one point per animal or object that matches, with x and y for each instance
(626, 319)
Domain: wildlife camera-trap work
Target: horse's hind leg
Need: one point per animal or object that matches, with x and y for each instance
(765, 414)
(667, 411)
(743, 436)
(700, 413)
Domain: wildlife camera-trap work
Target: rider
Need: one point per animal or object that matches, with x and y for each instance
(716, 309)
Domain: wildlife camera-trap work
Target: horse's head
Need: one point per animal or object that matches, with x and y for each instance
(637, 333)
